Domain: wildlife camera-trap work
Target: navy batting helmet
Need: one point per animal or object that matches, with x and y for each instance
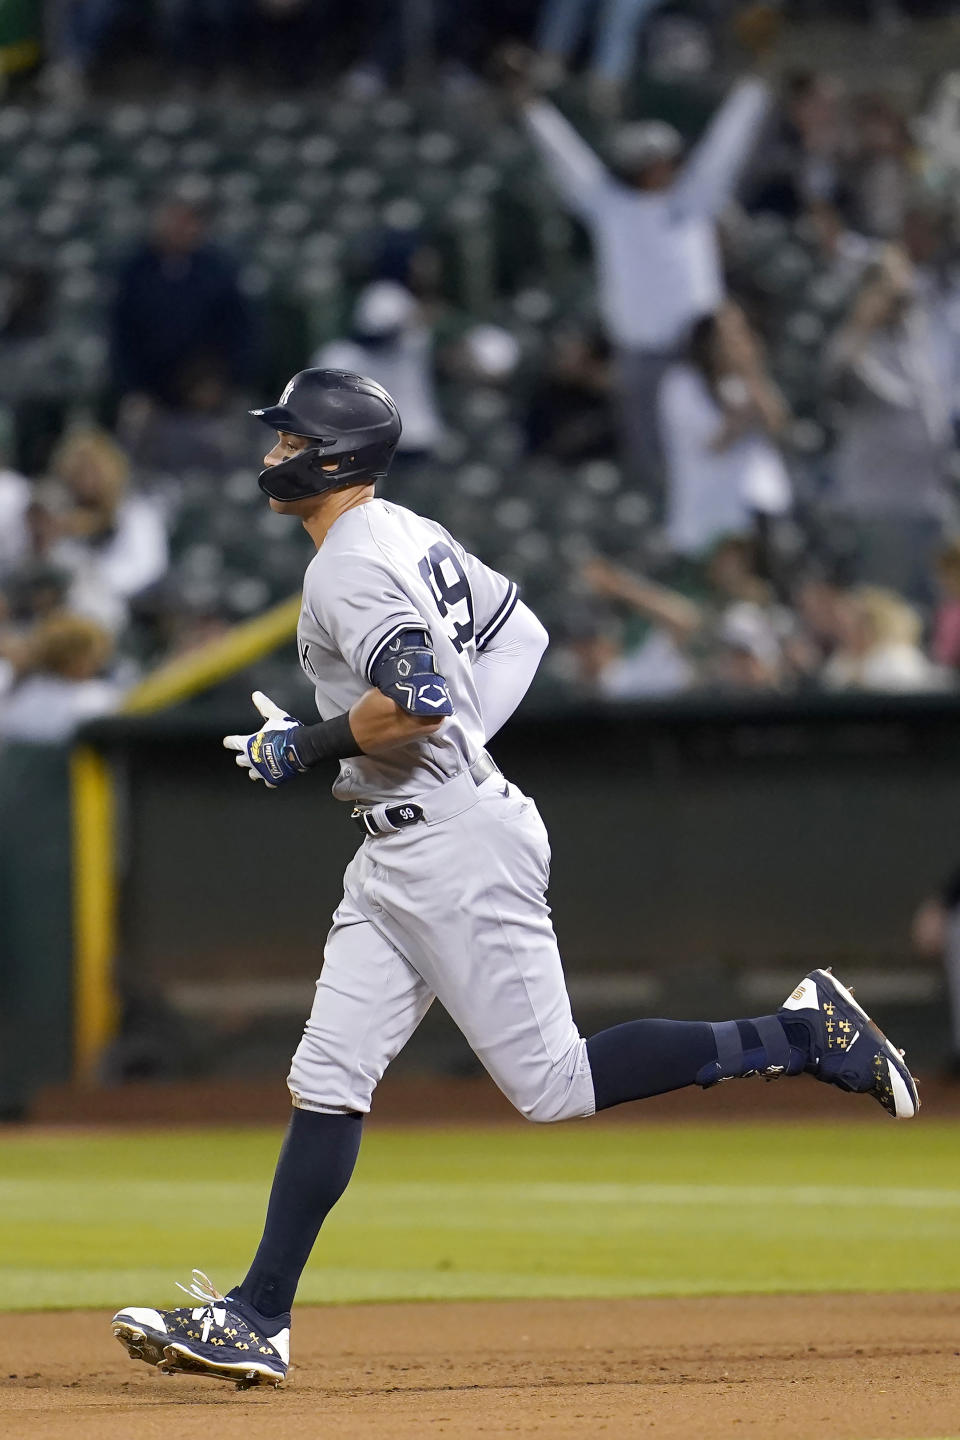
(349, 419)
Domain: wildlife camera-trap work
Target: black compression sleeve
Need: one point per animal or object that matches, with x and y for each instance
(327, 740)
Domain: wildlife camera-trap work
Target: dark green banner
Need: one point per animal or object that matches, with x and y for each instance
(35, 922)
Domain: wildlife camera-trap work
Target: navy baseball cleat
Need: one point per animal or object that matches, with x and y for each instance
(217, 1337)
(847, 1048)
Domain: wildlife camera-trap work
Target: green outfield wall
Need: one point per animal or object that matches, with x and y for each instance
(35, 922)
(702, 854)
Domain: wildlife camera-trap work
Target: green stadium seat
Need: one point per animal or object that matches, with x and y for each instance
(352, 218)
(275, 157)
(153, 155)
(317, 151)
(289, 218)
(34, 160)
(75, 254)
(286, 117)
(478, 481)
(200, 154)
(15, 125)
(360, 184)
(321, 248)
(55, 123)
(393, 113)
(175, 118)
(238, 186)
(394, 156)
(246, 595)
(126, 122)
(81, 157)
(236, 224)
(401, 213)
(316, 188)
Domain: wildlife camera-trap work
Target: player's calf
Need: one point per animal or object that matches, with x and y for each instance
(819, 1031)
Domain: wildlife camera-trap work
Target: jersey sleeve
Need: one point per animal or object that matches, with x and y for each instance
(362, 607)
(494, 598)
(576, 171)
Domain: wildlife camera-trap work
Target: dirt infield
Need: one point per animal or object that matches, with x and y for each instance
(867, 1367)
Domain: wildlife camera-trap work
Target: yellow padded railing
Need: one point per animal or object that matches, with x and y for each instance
(93, 817)
(217, 660)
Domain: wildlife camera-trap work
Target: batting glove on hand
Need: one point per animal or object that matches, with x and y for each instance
(268, 753)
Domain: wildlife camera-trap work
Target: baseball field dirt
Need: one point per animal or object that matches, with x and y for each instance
(826, 1367)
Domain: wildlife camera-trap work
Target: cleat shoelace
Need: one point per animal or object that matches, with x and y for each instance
(202, 1288)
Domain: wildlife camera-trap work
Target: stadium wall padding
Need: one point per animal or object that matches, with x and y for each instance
(683, 836)
(35, 921)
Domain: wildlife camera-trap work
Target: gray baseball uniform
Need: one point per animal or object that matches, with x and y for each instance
(453, 907)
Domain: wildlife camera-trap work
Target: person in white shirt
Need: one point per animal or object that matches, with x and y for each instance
(882, 648)
(63, 682)
(719, 416)
(112, 544)
(14, 533)
(893, 368)
(391, 344)
(653, 226)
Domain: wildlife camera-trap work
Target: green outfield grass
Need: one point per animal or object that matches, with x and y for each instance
(105, 1220)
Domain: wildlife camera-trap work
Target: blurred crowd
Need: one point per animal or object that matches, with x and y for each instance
(263, 43)
(799, 529)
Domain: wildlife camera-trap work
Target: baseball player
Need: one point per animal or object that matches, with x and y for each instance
(419, 653)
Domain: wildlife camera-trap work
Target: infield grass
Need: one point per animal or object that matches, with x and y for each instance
(93, 1219)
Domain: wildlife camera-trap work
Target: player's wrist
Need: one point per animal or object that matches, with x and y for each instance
(327, 740)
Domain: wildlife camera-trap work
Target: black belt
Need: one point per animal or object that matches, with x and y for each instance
(406, 813)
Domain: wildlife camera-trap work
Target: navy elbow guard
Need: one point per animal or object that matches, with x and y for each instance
(406, 672)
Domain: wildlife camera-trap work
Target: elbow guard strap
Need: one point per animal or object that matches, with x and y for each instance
(406, 671)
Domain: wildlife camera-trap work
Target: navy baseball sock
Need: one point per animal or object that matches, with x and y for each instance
(650, 1057)
(316, 1161)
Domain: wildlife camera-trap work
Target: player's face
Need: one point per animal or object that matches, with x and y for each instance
(288, 445)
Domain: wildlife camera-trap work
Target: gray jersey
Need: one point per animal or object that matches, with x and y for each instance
(381, 570)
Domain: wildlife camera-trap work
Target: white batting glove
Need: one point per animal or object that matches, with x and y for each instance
(261, 754)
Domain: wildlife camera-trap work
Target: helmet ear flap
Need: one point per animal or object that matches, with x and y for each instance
(303, 475)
